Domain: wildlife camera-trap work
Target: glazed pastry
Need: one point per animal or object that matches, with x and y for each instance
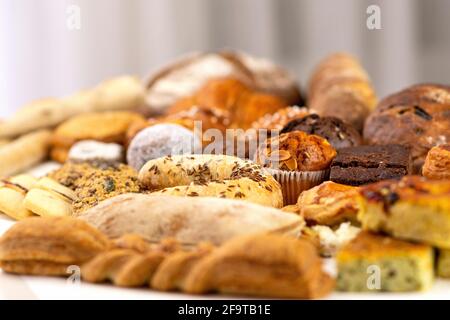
(329, 204)
(443, 264)
(99, 126)
(49, 198)
(24, 152)
(338, 133)
(402, 266)
(417, 117)
(437, 163)
(91, 150)
(261, 265)
(339, 87)
(412, 209)
(121, 93)
(243, 104)
(47, 246)
(94, 182)
(298, 161)
(189, 220)
(161, 140)
(182, 78)
(211, 176)
(12, 195)
(367, 164)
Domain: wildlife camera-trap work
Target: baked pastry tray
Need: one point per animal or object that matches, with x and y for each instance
(29, 287)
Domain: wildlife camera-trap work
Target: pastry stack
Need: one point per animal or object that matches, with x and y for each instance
(216, 175)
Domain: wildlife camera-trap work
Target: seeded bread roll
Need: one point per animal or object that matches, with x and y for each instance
(417, 117)
(211, 175)
(340, 87)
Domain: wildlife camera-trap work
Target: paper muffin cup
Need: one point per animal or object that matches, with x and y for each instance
(294, 182)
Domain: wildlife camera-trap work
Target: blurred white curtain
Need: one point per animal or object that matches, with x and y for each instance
(40, 56)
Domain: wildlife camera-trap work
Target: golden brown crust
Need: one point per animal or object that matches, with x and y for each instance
(296, 151)
(437, 163)
(53, 243)
(230, 95)
(329, 204)
(369, 245)
(417, 117)
(278, 119)
(340, 87)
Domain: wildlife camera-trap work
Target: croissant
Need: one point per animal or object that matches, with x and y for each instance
(339, 87)
(230, 95)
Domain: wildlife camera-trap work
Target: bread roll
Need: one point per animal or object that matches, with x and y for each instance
(121, 93)
(188, 220)
(211, 175)
(339, 87)
(24, 152)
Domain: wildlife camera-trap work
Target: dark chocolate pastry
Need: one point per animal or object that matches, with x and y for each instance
(418, 117)
(367, 164)
(338, 133)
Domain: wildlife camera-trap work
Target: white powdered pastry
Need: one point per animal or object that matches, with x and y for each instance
(89, 150)
(331, 240)
(158, 141)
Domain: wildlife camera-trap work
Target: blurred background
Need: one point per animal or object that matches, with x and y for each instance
(41, 56)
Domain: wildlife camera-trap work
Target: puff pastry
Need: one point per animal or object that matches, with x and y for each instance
(47, 246)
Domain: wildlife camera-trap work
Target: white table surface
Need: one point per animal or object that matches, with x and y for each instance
(27, 287)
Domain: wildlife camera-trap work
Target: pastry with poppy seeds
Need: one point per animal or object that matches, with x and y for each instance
(413, 209)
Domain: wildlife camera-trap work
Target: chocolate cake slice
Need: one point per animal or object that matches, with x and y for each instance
(367, 164)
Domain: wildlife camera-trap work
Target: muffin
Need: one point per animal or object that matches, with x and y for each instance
(417, 117)
(437, 163)
(297, 160)
(338, 133)
(400, 266)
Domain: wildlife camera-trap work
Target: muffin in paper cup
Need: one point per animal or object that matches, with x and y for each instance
(294, 182)
(298, 161)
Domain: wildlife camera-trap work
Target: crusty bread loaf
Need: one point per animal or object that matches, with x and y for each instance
(339, 87)
(183, 77)
(24, 152)
(122, 93)
(188, 220)
(417, 117)
(211, 175)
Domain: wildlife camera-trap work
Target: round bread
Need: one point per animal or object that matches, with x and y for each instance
(295, 151)
(418, 117)
(338, 133)
(91, 150)
(211, 175)
(160, 140)
(182, 78)
(437, 163)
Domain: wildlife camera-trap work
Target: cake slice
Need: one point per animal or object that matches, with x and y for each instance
(443, 264)
(374, 263)
(413, 209)
(367, 164)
